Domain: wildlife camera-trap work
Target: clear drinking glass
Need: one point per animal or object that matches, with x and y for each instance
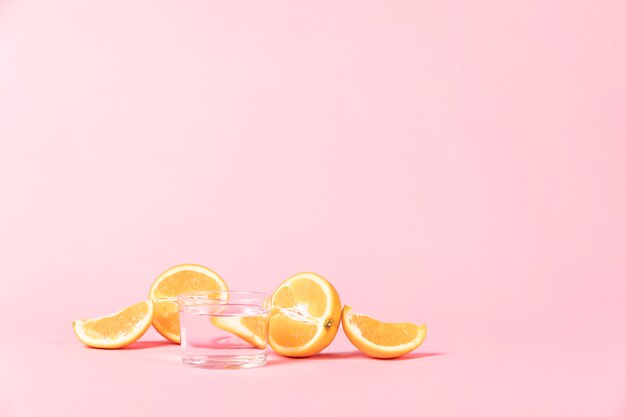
(224, 329)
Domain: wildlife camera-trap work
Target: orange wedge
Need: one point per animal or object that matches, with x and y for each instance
(174, 281)
(378, 339)
(305, 315)
(251, 329)
(116, 330)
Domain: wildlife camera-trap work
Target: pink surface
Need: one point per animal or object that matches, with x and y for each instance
(458, 164)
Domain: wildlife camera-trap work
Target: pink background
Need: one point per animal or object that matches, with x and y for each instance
(461, 164)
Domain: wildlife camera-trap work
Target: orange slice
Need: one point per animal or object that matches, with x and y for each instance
(378, 339)
(305, 315)
(174, 281)
(251, 329)
(116, 330)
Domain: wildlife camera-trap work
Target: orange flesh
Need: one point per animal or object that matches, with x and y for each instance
(118, 325)
(166, 311)
(307, 292)
(311, 305)
(185, 281)
(257, 325)
(292, 333)
(384, 334)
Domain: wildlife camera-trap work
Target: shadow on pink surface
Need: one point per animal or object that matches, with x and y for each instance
(147, 344)
(276, 359)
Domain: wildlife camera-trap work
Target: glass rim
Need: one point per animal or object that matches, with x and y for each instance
(203, 296)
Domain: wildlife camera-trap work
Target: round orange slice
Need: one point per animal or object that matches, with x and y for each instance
(378, 339)
(305, 315)
(116, 330)
(177, 280)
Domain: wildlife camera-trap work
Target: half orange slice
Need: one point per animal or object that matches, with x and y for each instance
(305, 315)
(116, 330)
(177, 280)
(378, 339)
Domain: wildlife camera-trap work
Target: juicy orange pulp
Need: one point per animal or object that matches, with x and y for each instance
(305, 316)
(177, 280)
(116, 330)
(379, 339)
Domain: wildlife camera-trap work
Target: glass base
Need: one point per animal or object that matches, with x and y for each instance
(226, 362)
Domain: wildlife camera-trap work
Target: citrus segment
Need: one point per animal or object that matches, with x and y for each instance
(305, 315)
(116, 330)
(177, 280)
(379, 339)
(251, 329)
(291, 334)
